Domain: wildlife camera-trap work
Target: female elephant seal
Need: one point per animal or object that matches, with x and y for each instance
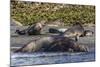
(48, 44)
(76, 31)
(34, 29)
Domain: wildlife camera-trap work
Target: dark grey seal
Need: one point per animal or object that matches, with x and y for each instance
(76, 31)
(34, 29)
(52, 44)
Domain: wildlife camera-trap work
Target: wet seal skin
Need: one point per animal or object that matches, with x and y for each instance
(53, 44)
(34, 29)
(76, 31)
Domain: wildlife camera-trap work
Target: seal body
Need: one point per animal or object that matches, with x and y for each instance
(76, 31)
(31, 30)
(35, 29)
(40, 44)
(52, 44)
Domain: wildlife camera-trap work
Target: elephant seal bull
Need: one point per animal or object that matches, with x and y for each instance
(52, 44)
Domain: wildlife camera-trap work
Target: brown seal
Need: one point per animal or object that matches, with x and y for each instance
(51, 44)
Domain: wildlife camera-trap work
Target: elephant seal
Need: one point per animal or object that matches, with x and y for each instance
(51, 44)
(36, 45)
(76, 31)
(34, 29)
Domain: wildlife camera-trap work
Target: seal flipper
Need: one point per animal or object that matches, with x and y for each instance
(20, 32)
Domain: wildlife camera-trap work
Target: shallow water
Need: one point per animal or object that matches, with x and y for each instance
(50, 58)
